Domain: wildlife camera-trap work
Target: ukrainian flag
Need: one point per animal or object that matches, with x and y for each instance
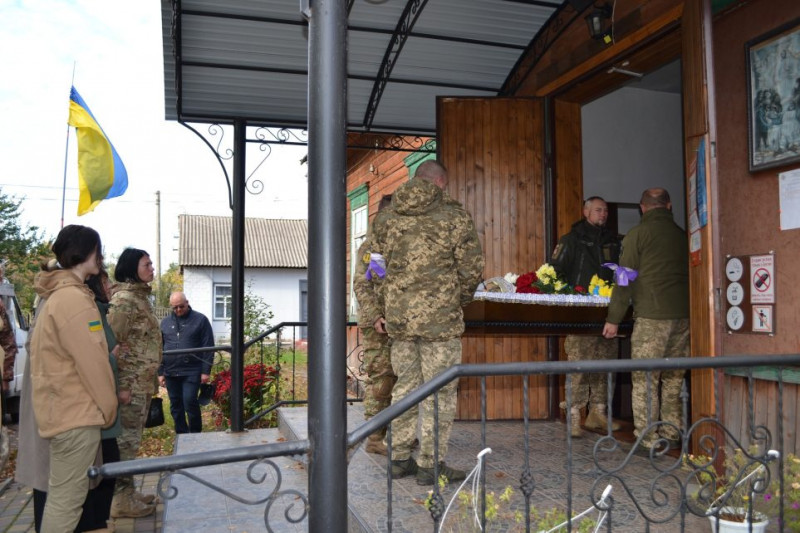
(101, 173)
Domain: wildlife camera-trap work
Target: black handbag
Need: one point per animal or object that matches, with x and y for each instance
(155, 415)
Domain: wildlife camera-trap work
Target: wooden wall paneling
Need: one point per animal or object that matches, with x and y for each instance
(569, 166)
(501, 173)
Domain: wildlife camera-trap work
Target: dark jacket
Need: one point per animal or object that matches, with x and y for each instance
(581, 252)
(192, 330)
(658, 249)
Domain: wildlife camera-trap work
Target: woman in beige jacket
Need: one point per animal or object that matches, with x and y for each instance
(74, 393)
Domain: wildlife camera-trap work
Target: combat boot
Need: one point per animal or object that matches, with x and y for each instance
(596, 419)
(125, 505)
(375, 443)
(425, 475)
(575, 423)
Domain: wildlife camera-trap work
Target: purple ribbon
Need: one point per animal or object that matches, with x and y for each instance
(374, 269)
(622, 275)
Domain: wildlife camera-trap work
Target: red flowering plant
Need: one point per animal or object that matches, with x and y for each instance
(545, 280)
(260, 391)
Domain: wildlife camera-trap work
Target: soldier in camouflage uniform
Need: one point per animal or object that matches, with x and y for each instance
(657, 248)
(137, 330)
(433, 265)
(377, 361)
(580, 255)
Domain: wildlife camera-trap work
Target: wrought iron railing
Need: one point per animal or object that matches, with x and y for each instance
(676, 491)
(276, 347)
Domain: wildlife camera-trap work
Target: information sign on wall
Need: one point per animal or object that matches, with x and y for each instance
(750, 294)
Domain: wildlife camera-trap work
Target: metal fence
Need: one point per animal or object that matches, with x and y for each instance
(676, 488)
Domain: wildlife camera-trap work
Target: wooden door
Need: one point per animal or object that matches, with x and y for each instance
(492, 148)
(697, 86)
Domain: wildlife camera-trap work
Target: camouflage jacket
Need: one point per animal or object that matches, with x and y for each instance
(433, 262)
(8, 343)
(368, 292)
(132, 320)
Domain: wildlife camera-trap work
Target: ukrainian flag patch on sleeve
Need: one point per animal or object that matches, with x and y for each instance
(95, 325)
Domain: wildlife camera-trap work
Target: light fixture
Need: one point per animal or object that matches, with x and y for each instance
(599, 22)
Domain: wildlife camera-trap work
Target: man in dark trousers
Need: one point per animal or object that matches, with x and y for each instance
(182, 374)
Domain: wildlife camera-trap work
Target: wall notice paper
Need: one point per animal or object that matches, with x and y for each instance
(789, 196)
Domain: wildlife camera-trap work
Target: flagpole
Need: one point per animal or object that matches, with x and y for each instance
(66, 155)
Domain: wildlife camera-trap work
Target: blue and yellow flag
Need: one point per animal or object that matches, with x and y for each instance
(101, 173)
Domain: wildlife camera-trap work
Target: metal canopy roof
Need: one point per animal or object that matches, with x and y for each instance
(249, 58)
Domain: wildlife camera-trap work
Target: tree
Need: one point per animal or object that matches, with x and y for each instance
(171, 281)
(256, 313)
(23, 249)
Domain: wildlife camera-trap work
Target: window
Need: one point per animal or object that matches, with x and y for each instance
(222, 302)
(359, 220)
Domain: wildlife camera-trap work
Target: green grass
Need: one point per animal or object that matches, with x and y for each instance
(300, 357)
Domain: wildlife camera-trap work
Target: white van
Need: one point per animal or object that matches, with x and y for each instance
(20, 326)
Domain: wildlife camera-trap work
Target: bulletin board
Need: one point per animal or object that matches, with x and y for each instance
(750, 294)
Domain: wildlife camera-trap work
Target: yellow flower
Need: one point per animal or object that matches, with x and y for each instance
(546, 273)
(366, 258)
(605, 291)
(560, 285)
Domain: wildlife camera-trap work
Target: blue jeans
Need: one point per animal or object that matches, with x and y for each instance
(183, 402)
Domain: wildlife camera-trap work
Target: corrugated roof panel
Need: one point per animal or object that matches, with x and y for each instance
(232, 93)
(446, 62)
(244, 42)
(269, 243)
(455, 48)
(394, 113)
(499, 21)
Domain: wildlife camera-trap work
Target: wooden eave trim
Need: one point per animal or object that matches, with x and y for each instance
(653, 27)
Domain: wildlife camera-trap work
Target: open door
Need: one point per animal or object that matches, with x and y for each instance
(697, 119)
(492, 148)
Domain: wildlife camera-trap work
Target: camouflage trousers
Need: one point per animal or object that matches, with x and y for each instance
(132, 417)
(590, 388)
(654, 339)
(415, 362)
(380, 376)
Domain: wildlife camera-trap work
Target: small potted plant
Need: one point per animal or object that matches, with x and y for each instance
(737, 499)
(791, 496)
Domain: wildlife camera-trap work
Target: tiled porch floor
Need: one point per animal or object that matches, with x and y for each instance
(199, 508)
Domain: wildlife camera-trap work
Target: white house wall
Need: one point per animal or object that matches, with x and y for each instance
(280, 289)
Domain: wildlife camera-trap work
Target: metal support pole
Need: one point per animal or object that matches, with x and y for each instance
(237, 277)
(327, 417)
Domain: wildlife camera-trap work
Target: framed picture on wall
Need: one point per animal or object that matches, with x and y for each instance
(773, 93)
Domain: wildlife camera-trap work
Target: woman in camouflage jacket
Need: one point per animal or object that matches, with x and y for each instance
(137, 330)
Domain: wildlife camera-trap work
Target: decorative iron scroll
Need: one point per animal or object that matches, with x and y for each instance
(280, 136)
(687, 484)
(291, 515)
(392, 143)
(547, 35)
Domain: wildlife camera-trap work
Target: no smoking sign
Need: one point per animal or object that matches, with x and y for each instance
(762, 277)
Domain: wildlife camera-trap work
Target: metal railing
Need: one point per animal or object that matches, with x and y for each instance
(275, 348)
(674, 493)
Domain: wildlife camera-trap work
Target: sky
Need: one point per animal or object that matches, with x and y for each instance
(115, 49)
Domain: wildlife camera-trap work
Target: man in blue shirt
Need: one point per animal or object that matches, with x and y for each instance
(183, 373)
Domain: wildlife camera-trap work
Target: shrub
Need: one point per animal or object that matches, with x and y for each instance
(260, 391)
